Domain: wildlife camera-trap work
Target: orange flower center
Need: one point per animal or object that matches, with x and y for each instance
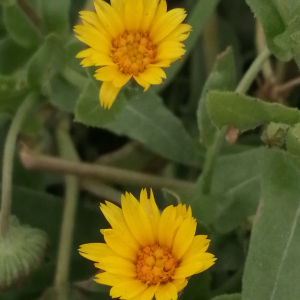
(155, 265)
(133, 52)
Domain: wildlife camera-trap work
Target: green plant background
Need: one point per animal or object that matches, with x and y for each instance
(244, 192)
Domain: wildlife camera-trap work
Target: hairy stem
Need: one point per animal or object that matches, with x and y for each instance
(108, 174)
(67, 151)
(8, 158)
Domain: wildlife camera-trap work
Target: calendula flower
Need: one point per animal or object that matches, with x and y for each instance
(146, 253)
(131, 38)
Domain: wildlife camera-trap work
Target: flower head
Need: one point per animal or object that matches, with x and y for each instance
(146, 253)
(131, 38)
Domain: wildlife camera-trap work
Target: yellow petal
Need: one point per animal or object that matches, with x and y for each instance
(101, 59)
(128, 289)
(109, 18)
(87, 62)
(153, 75)
(166, 227)
(117, 265)
(92, 18)
(166, 292)
(184, 237)
(166, 24)
(197, 246)
(119, 7)
(206, 264)
(169, 46)
(121, 79)
(109, 279)
(137, 220)
(151, 209)
(160, 64)
(161, 10)
(179, 34)
(171, 54)
(148, 294)
(142, 82)
(150, 7)
(94, 251)
(94, 38)
(188, 270)
(108, 94)
(117, 245)
(114, 216)
(197, 257)
(108, 73)
(133, 14)
(180, 284)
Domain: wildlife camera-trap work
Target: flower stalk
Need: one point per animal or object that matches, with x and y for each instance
(67, 151)
(8, 158)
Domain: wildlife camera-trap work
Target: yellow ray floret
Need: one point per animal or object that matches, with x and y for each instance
(131, 39)
(146, 253)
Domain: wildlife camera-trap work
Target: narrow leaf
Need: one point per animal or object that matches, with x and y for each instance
(273, 268)
(246, 112)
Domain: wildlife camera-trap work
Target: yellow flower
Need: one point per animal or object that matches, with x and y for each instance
(146, 253)
(131, 38)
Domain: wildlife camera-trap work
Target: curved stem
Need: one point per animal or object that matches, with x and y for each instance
(8, 158)
(67, 151)
(214, 150)
(106, 173)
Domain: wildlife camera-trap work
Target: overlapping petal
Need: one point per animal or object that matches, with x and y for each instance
(156, 32)
(139, 230)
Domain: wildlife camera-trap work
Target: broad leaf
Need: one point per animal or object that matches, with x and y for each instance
(245, 112)
(19, 27)
(228, 297)
(235, 191)
(273, 268)
(147, 120)
(222, 77)
(273, 25)
(293, 144)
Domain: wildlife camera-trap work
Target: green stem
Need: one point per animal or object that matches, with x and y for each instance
(8, 158)
(67, 151)
(252, 72)
(214, 150)
(75, 78)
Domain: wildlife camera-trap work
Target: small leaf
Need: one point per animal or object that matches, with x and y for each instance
(272, 267)
(55, 15)
(147, 120)
(48, 59)
(19, 27)
(21, 252)
(89, 111)
(228, 108)
(272, 23)
(222, 77)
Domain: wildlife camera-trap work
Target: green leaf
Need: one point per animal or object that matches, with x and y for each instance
(89, 111)
(147, 120)
(293, 144)
(19, 27)
(272, 267)
(229, 297)
(63, 94)
(13, 56)
(229, 108)
(222, 77)
(273, 25)
(197, 19)
(55, 15)
(48, 59)
(235, 192)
